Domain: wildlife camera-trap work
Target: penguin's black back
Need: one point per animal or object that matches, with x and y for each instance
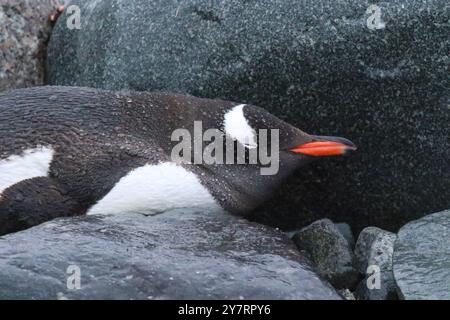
(100, 136)
(53, 115)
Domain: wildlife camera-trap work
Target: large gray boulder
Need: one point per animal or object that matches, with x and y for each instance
(24, 33)
(314, 63)
(422, 258)
(182, 254)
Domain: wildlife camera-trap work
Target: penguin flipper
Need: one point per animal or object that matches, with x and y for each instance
(32, 202)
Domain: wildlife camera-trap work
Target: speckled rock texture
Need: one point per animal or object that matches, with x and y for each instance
(422, 258)
(329, 251)
(375, 248)
(363, 247)
(182, 254)
(24, 32)
(315, 64)
(347, 294)
(346, 231)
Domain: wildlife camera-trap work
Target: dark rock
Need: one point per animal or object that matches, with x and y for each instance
(422, 258)
(346, 231)
(374, 250)
(24, 33)
(315, 64)
(385, 292)
(181, 254)
(329, 251)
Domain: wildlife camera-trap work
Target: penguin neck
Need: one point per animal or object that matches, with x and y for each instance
(246, 184)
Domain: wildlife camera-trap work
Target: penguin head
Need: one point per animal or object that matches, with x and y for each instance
(286, 147)
(280, 148)
(247, 124)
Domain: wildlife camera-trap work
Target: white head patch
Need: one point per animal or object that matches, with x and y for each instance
(237, 127)
(31, 163)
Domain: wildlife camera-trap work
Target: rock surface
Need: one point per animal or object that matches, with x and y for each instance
(317, 65)
(363, 247)
(422, 258)
(329, 251)
(346, 231)
(24, 33)
(182, 254)
(347, 294)
(374, 249)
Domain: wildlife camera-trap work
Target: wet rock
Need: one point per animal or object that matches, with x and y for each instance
(422, 258)
(373, 255)
(346, 231)
(182, 254)
(315, 64)
(24, 33)
(329, 251)
(347, 294)
(363, 247)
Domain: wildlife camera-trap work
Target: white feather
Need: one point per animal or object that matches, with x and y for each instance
(237, 127)
(31, 163)
(155, 188)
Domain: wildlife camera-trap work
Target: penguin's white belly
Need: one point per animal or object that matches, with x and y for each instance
(29, 164)
(152, 189)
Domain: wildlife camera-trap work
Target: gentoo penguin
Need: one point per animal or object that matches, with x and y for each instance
(70, 151)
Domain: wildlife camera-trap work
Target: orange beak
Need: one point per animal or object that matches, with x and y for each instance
(325, 148)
